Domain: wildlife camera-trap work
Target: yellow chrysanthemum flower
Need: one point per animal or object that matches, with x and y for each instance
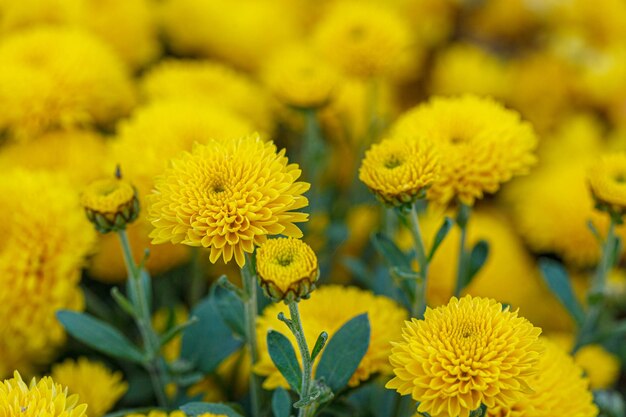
(601, 367)
(482, 145)
(400, 170)
(209, 81)
(467, 68)
(364, 39)
(287, 269)
(39, 265)
(320, 313)
(158, 413)
(228, 196)
(467, 353)
(38, 399)
(78, 82)
(607, 181)
(93, 382)
(557, 389)
(300, 78)
(110, 204)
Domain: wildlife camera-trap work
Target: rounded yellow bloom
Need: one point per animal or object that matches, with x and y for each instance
(110, 204)
(40, 265)
(300, 78)
(93, 382)
(557, 389)
(481, 144)
(363, 39)
(607, 181)
(158, 413)
(38, 399)
(287, 269)
(400, 170)
(228, 196)
(78, 82)
(210, 81)
(467, 353)
(320, 313)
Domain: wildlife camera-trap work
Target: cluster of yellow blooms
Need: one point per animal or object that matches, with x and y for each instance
(245, 135)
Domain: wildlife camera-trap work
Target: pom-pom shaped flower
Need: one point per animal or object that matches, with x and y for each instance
(557, 389)
(228, 196)
(320, 313)
(464, 354)
(299, 78)
(93, 382)
(39, 398)
(607, 181)
(363, 39)
(110, 204)
(287, 269)
(482, 145)
(78, 82)
(399, 170)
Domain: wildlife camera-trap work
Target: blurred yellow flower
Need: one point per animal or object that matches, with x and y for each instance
(287, 269)
(228, 196)
(364, 39)
(607, 181)
(158, 413)
(211, 81)
(482, 145)
(37, 399)
(557, 389)
(320, 313)
(400, 170)
(298, 77)
(44, 239)
(94, 383)
(79, 82)
(470, 352)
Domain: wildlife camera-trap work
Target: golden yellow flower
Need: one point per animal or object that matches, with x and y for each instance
(482, 145)
(364, 39)
(16, 15)
(110, 204)
(79, 82)
(157, 413)
(228, 196)
(300, 78)
(320, 313)
(44, 239)
(37, 399)
(94, 383)
(400, 170)
(467, 353)
(287, 269)
(210, 81)
(557, 389)
(607, 181)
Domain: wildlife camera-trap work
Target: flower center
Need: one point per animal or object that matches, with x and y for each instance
(357, 33)
(393, 162)
(620, 178)
(284, 259)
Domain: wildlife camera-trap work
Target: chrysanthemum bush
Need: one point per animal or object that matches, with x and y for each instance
(341, 208)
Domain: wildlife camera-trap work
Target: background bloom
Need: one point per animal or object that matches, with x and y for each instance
(467, 353)
(607, 180)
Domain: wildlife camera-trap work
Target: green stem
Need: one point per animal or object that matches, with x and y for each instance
(154, 364)
(596, 291)
(461, 273)
(248, 278)
(198, 286)
(307, 365)
(313, 147)
(419, 300)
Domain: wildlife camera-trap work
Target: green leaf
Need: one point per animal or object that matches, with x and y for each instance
(99, 335)
(141, 410)
(559, 283)
(281, 403)
(440, 236)
(390, 252)
(617, 250)
(198, 408)
(344, 352)
(284, 357)
(123, 302)
(209, 340)
(231, 308)
(319, 345)
(477, 258)
(176, 330)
